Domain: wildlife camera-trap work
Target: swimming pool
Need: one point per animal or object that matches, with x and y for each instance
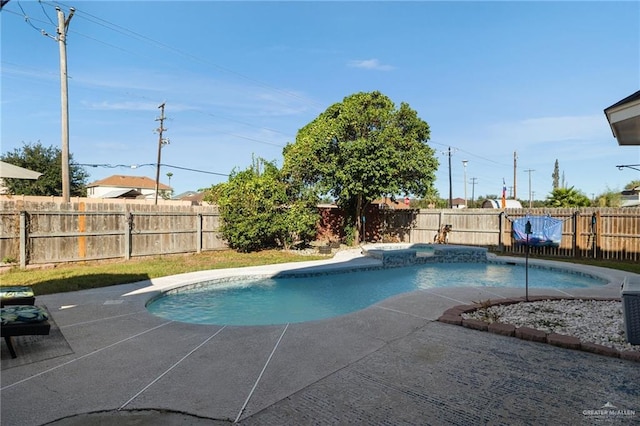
(281, 300)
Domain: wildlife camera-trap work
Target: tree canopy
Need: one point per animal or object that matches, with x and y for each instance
(363, 148)
(567, 197)
(633, 184)
(556, 175)
(48, 161)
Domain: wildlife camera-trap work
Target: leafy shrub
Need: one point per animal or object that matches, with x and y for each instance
(260, 209)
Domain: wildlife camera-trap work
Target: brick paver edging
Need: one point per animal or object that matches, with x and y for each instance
(454, 316)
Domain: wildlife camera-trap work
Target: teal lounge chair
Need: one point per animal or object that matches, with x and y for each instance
(22, 320)
(16, 295)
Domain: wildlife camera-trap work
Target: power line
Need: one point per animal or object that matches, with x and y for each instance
(242, 122)
(116, 28)
(137, 166)
(194, 170)
(470, 153)
(200, 111)
(133, 34)
(28, 20)
(483, 177)
(130, 33)
(254, 140)
(45, 13)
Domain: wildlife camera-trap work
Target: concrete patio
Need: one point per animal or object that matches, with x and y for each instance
(392, 363)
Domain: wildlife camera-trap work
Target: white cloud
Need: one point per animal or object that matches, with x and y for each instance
(370, 64)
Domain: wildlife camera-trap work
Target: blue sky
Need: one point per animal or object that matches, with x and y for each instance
(239, 79)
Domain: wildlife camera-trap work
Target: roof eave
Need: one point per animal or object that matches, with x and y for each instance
(624, 120)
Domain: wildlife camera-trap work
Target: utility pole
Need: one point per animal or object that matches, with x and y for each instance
(63, 26)
(515, 169)
(464, 163)
(161, 142)
(450, 185)
(473, 191)
(530, 199)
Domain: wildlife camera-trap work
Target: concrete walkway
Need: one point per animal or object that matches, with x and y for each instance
(392, 363)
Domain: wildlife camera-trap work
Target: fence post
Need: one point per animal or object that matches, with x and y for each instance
(199, 233)
(23, 239)
(82, 228)
(501, 232)
(575, 228)
(128, 226)
(598, 236)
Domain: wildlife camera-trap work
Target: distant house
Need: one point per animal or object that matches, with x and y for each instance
(497, 204)
(458, 203)
(631, 197)
(194, 197)
(389, 204)
(121, 186)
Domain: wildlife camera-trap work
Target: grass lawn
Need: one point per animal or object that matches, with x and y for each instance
(78, 276)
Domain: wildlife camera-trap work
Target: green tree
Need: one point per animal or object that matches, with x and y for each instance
(360, 149)
(431, 200)
(260, 209)
(610, 198)
(632, 185)
(48, 161)
(567, 197)
(556, 175)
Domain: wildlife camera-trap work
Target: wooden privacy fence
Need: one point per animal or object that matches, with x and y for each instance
(600, 233)
(38, 232)
(51, 233)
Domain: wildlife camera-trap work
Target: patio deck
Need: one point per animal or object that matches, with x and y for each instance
(392, 363)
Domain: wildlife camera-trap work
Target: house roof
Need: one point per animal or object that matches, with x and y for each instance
(497, 204)
(624, 119)
(11, 171)
(626, 100)
(123, 181)
(122, 193)
(184, 194)
(388, 203)
(193, 196)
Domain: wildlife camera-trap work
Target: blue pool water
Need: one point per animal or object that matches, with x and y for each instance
(290, 300)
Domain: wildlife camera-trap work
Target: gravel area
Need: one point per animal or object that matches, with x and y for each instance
(593, 321)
